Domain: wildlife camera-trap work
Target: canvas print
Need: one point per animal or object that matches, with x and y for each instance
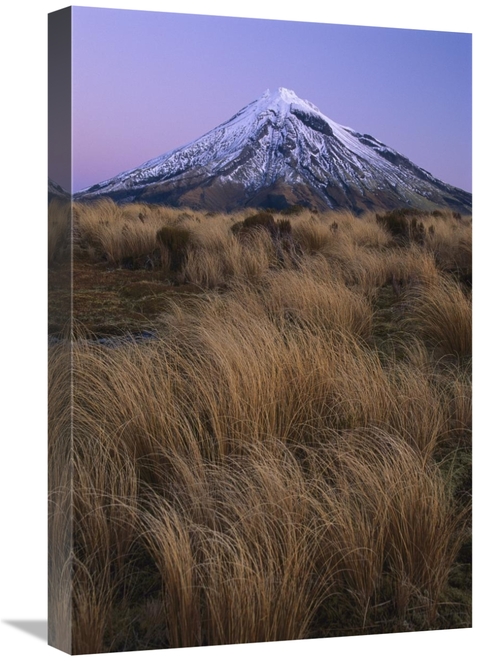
(260, 332)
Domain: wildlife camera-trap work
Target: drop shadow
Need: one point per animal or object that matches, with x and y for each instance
(37, 628)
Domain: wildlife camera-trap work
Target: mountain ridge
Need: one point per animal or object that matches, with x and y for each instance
(280, 150)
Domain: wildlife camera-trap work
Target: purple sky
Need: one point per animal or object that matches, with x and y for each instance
(147, 82)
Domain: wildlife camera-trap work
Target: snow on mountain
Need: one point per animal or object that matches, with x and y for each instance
(281, 150)
(54, 190)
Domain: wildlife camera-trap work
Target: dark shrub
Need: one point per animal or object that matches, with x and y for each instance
(403, 225)
(293, 210)
(263, 219)
(237, 227)
(174, 242)
(395, 222)
(259, 221)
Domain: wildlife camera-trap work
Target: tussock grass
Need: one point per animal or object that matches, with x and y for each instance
(313, 297)
(450, 241)
(113, 233)
(265, 468)
(442, 315)
(92, 600)
(59, 230)
(248, 376)
(240, 544)
(386, 514)
(60, 515)
(361, 249)
(219, 257)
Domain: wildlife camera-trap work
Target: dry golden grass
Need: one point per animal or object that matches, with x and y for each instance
(359, 248)
(218, 257)
(60, 519)
(386, 513)
(59, 229)
(311, 297)
(442, 315)
(450, 241)
(236, 552)
(265, 464)
(109, 232)
(252, 369)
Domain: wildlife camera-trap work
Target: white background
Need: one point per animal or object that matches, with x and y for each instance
(23, 315)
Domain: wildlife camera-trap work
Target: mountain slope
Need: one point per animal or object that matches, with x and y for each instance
(54, 190)
(281, 150)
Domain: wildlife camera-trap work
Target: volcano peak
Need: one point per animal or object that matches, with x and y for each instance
(279, 150)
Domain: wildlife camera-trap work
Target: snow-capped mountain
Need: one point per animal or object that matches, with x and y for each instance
(282, 150)
(54, 190)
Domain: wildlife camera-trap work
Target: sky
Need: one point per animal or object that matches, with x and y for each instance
(145, 83)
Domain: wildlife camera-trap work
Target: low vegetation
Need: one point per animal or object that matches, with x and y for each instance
(279, 445)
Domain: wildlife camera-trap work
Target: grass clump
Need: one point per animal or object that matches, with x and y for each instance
(287, 455)
(173, 242)
(261, 220)
(293, 210)
(442, 315)
(59, 231)
(403, 226)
